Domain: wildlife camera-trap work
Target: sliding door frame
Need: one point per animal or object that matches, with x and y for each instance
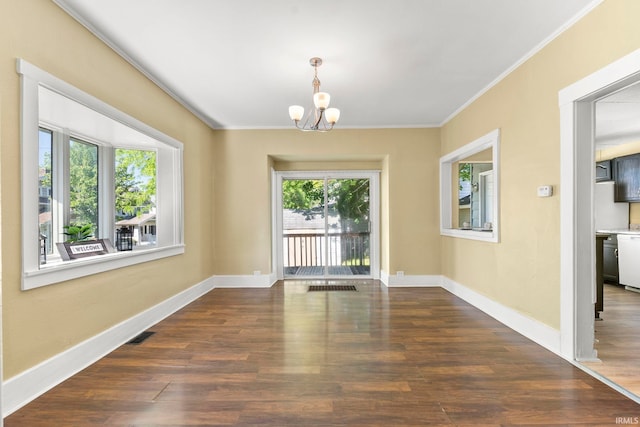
(277, 178)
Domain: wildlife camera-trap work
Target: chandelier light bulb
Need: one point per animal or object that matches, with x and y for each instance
(321, 100)
(296, 112)
(332, 115)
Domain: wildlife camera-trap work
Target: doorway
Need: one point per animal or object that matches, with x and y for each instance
(578, 276)
(326, 225)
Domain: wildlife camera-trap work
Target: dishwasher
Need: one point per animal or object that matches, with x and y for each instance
(629, 261)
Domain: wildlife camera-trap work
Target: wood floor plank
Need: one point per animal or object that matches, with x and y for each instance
(286, 357)
(618, 338)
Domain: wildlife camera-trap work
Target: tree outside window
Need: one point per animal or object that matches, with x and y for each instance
(135, 182)
(83, 184)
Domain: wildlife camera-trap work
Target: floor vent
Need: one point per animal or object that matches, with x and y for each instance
(325, 288)
(140, 338)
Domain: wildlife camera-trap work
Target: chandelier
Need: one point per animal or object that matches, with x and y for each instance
(319, 118)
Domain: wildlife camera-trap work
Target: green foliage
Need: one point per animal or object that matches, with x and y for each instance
(302, 195)
(351, 197)
(135, 181)
(83, 182)
(464, 173)
(78, 233)
(45, 165)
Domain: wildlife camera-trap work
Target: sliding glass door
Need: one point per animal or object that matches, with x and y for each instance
(304, 222)
(348, 235)
(326, 225)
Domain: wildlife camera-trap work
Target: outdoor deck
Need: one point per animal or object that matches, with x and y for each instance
(345, 254)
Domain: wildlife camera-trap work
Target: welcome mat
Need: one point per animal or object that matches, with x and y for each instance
(325, 288)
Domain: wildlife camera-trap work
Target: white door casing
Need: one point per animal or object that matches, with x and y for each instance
(577, 225)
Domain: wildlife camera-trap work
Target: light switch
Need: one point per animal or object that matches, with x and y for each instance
(545, 191)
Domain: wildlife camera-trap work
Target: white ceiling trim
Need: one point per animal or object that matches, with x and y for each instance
(421, 126)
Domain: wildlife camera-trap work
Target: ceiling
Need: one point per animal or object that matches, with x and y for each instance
(618, 118)
(239, 64)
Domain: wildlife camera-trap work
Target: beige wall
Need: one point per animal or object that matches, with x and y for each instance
(40, 323)
(522, 271)
(409, 191)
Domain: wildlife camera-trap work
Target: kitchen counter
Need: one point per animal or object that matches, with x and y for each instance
(619, 231)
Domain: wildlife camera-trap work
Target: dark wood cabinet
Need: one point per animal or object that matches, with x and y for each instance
(599, 306)
(626, 172)
(603, 171)
(610, 259)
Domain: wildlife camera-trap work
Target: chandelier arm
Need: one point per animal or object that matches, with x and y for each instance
(317, 123)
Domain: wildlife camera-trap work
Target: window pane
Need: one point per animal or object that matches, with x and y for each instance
(349, 237)
(83, 184)
(45, 211)
(135, 196)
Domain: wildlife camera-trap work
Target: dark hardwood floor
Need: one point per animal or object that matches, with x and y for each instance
(286, 356)
(618, 338)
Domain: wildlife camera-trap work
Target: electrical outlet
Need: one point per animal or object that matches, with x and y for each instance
(256, 272)
(545, 191)
(400, 273)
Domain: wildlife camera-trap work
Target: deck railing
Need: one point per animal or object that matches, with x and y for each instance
(310, 250)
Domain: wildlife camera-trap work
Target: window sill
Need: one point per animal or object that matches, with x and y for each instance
(486, 236)
(68, 270)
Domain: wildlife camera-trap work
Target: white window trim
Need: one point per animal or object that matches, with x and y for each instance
(170, 201)
(490, 140)
(482, 189)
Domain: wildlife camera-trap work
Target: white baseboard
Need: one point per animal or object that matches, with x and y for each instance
(246, 281)
(393, 280)
(26, 386)
(536, 331)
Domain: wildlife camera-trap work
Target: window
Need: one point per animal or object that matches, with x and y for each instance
(135, 192)
(469, 190)
(96, 168)
(473, 204)
(83, 183)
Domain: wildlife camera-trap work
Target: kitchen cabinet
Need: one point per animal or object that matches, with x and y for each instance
(626, 173)
(603, 171)
(610, 259)
(599, 305)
